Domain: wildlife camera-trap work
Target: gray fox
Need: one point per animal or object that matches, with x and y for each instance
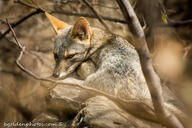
(105, 61)
(117, 69)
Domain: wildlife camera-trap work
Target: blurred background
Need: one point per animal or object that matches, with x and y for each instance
(168, 29)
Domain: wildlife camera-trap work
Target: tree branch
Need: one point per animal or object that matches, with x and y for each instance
(151, 77)
(72, 13)
(97, 15)
(105, 6)
(65, 12)
(20, 21)
(171, 22)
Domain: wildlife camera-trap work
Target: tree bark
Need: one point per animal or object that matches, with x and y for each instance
(151, 77)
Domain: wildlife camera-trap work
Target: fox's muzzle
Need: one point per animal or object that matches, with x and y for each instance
(66, 61)
(58, 67)
(56, 74)
(56, 71)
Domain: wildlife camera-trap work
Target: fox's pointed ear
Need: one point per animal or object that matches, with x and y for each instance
(56, 23)
(81, 29)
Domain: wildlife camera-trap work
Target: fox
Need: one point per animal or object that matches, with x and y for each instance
(115, 62)
(104, 61)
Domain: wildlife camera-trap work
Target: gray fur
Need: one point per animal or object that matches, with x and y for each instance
(119, 71)
(117, 62)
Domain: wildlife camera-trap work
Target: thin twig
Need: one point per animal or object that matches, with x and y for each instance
(151, 77)
(178, 23)
(27, 5)
(67, 1)
(65, 12)
(72, 13)
(171, 22)
(96, 14)
(186, 51)
(105, 6)
(2, 22)
(20, 21)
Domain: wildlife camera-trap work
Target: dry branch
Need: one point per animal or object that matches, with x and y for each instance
(20, 21)
(65, 12)
(174, 23)
(97, 15)
(151, 77)
(105, 6)
(72, 13)
(171, 22)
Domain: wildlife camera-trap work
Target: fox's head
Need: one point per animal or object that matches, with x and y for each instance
(71, 42)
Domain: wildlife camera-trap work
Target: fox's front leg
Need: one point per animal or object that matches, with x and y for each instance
(103, 81)
(85, 69)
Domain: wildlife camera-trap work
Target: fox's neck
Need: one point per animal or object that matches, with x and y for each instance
(99, 40)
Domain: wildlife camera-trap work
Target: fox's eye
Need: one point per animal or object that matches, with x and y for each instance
(81, 36)
(56, 57)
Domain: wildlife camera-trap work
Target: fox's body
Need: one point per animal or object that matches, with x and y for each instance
(118, 68)
(118, 71)
(105, 62)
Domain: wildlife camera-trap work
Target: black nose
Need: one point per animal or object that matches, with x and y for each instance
(56, 74)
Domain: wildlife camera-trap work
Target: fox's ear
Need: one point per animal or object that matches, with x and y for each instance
(81, 29)
(56, 23)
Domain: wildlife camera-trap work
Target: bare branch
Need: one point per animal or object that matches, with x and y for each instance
(27, 5)
(2, 22)
(65, 12)
(171, 22)
(72, 13)
(37, 11)
(186, 51)
(151, 77)
(98, 16)
(20, 21)
(178, 23)
(105, 6)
